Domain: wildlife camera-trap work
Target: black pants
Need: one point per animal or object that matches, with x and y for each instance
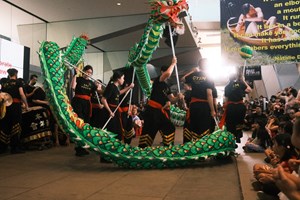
(114, 124)
(11, 129)
(127, 127)
(97, 119)
(200, 118)
(235, 118)
(82, 108)
(155, 120)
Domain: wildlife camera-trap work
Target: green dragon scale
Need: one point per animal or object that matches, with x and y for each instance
(220, 142)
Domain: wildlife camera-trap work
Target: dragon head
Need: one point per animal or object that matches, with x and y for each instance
(168, 10)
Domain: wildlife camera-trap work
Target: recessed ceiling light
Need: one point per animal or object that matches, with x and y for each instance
(119, 4)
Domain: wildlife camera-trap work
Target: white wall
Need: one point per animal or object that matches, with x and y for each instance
(96, 61)
(270, 80)
(288, 74)
(209, 12)
(10, 18)
(62, 32)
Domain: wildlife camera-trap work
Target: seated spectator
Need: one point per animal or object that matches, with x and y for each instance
(289, 95)
(277, 108)
(288, 127)
(260, 139)
(258, 115)
(286, 182)
(39, 99)
(248, 120)
(272, 126)
(291, 113)
(264, 173)
(30, 88)
(137, 122)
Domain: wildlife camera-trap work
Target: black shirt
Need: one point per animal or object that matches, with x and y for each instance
(94, 99)
(125, 102)
(11, 87)
(160, 91)
(112, 94)
(235, 91)
(39, 94)
(200, 83)
(187, 97)
(28, 89)
(214, 92)
(84, 86)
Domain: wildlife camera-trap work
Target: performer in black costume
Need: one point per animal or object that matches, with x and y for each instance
(156, 115)
(11, 123)
(111, 99)
(97, 118)
(126, 118)
(187, 100)
(215, 96)
(235, 110)
(201, 105)
(81, 102)
(30, 88)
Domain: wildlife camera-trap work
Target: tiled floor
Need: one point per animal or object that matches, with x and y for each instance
(57, 174)
(245, 162)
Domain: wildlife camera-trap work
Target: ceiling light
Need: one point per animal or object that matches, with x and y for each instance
(119, 4)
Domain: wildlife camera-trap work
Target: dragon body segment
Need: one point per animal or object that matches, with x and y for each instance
(141, 53)
(52, 60)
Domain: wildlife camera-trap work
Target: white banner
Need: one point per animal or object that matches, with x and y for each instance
(11, 56)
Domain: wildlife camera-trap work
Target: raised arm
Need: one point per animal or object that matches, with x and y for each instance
(195, 69)
(165, 75)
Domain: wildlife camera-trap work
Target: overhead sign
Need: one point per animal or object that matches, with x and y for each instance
(271, 28)
(253, 73)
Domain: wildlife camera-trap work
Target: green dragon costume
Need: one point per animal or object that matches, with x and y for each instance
(52, 60)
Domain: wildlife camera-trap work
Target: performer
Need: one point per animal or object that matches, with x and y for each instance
(30, 88)
(11, 123)
(81, 102)
(235, 110)
(187, 100)
(215, 96)
(111, 99)
(156, 116)
(97, 118)
(126, 118)
(201, 105)
(39, 99)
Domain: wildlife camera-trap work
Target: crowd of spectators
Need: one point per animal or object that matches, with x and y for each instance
(271, 123)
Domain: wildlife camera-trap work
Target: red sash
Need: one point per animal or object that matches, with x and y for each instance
(157, 105)
(194, 100)
(16, 100)
(223, 119)
(85, 97)
(123, 109)
(188, 113)
(82, 96)
(96, 105)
